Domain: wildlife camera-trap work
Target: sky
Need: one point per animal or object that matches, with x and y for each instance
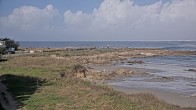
(98, 20)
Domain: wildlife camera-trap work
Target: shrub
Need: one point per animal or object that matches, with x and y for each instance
(2, 50)
(9, 43)
(79, 68)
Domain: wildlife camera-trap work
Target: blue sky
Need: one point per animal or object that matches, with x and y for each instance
(7, 6)
(98, 19)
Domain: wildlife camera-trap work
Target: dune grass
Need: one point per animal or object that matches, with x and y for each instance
(36, 84)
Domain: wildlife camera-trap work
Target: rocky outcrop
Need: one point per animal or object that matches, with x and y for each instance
(147, 54)
(192, 70)
(131, 62)
(101, 76)
(106, 57)
(80, 75)
(123, 71)
(161, 79)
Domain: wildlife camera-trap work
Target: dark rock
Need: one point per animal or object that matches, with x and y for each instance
(135, 62)
(192, 70)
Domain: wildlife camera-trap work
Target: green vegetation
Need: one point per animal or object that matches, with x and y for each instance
(79, 68)
(9, 43)
(21, 86)
(2, 51)
(36, 84)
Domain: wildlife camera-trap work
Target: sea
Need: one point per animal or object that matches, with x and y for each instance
(175, 67)
(171, 45)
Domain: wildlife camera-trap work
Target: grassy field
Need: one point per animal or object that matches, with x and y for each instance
(36, 84)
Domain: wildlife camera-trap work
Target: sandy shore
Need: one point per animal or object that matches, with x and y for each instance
(169, 97)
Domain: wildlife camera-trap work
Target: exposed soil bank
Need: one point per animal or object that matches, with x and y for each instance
(108, 73)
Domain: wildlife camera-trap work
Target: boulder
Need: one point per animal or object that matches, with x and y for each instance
(192, 70)
(135, 62)
(121, 71)
(80, 75)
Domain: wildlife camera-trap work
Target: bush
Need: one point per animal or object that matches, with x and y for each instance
(2, 50)
(9, 43)
(79, 68)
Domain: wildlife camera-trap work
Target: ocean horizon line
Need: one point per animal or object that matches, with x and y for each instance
(108, 41)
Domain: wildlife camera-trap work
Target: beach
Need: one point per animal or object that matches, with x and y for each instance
(137, 82)
(168, 97)
(171, 82)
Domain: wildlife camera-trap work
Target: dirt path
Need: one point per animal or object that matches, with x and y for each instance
(6, 99)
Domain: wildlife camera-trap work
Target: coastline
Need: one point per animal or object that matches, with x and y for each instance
(169, 97)
(99, 66)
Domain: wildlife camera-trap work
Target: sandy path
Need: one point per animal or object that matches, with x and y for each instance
(6, 99)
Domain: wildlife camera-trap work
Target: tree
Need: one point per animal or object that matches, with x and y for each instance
(2, 50)
(9, 43)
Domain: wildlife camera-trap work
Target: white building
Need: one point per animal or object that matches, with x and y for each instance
(2, 43)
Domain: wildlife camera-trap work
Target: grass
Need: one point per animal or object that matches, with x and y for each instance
(21, 87)
(53, 92)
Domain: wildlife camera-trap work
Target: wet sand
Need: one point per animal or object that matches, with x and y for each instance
(167, 96)
(171, 97)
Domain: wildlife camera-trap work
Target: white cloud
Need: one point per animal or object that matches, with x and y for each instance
(113, 20)
(28, 17)
(179, 10)
(124, 20)
(30, 23)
